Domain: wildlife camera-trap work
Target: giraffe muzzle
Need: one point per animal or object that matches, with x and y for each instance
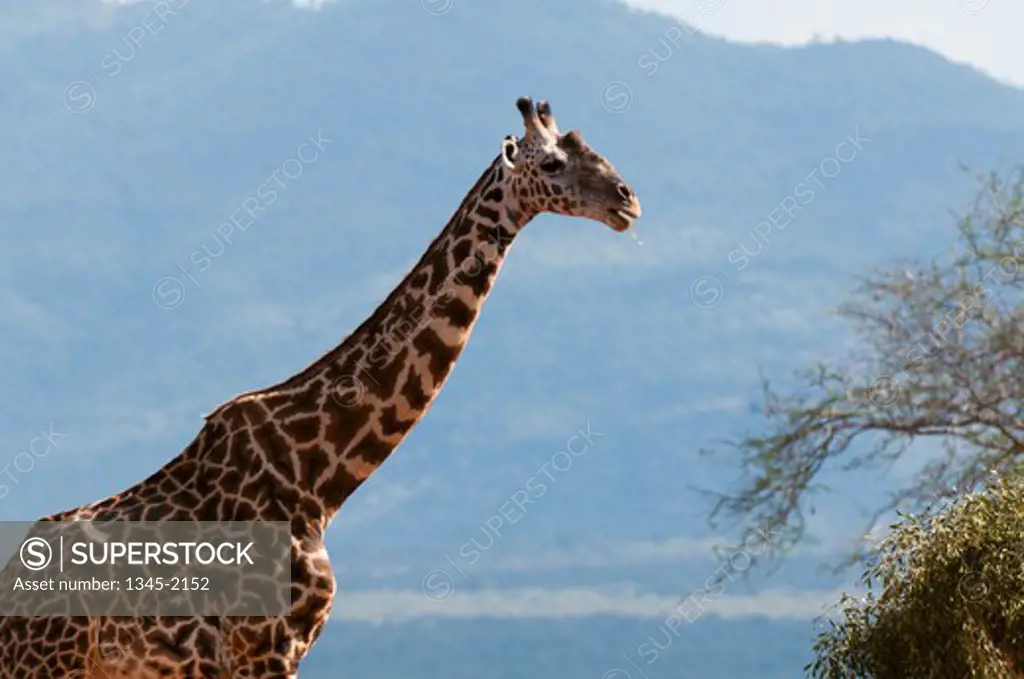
(624, 215)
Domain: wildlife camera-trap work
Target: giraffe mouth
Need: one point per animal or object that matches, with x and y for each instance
(622, 219)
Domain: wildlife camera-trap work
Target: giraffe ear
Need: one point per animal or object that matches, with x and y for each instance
(509, 151)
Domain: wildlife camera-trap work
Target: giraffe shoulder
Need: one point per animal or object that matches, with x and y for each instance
(240, 398)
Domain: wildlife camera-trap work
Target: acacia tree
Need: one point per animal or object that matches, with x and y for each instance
(951, 599)
(941, 357)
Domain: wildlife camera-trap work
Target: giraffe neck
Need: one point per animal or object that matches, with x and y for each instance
(342, 416)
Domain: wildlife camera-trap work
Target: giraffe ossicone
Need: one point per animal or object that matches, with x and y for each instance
(297, 450)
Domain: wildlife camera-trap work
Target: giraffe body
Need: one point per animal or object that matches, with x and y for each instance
(296, 451)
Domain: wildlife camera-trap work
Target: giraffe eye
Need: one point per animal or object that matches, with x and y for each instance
(552, 165)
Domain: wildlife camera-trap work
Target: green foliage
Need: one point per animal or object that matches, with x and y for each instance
(950, 601)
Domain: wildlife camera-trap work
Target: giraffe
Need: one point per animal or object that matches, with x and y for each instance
(297, 450)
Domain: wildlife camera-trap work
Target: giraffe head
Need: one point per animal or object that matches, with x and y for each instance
(560, 173)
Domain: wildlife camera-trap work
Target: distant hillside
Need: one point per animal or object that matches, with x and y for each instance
(596, 648)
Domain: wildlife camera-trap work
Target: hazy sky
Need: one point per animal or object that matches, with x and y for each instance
(984, 33)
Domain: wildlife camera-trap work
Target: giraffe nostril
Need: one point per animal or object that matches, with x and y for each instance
(624, 191)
